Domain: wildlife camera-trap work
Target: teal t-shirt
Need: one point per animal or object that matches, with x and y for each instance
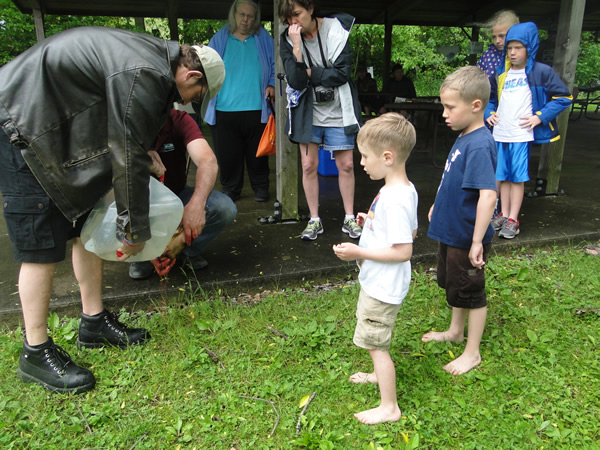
(241, 90)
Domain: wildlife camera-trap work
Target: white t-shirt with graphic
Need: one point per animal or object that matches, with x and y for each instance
(515, 102)
(391, 220)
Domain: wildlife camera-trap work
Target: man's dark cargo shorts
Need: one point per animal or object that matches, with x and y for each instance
(464, 284)
(37, 229)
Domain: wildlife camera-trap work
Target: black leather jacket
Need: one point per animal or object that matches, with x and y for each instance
(84, 106)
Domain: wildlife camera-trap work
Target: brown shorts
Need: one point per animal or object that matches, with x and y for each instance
(375, 323)
(464, 284)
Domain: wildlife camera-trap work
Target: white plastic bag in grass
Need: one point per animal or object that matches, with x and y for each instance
(99, 231)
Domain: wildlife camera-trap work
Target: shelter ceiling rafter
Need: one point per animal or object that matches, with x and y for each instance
(459, 13)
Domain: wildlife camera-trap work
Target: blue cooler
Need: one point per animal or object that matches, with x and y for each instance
(327, 165)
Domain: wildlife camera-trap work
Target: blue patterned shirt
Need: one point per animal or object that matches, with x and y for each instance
(490, 59)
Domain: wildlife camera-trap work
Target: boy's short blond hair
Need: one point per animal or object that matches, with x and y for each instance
(470, 82)
(390, 131)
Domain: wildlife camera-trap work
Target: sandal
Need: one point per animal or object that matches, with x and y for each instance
(593, 249)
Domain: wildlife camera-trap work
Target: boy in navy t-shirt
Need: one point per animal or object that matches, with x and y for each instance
(460, 216)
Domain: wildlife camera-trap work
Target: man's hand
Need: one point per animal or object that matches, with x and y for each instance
(193, 221)
(157, 168)
(430, 212)
(127, 250)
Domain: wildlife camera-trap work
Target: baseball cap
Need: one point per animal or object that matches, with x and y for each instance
(214, 70)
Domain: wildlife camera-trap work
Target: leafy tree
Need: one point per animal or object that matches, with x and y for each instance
(588, 61)
(199, 31)
(17, 30)
(416, 48)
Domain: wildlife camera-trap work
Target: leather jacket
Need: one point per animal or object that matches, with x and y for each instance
(84, 106)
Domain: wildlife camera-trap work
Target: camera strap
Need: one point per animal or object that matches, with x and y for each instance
(310, 63)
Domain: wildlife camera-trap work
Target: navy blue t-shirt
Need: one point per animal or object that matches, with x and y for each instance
(471, 166)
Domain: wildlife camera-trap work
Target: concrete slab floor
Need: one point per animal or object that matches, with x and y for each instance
(250, 257)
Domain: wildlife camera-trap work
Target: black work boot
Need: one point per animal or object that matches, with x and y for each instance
(53, 368)
(105, 329)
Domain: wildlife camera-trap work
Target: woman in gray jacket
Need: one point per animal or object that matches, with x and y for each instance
(323, 102)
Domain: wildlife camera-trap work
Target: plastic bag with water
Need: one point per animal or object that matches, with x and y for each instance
(99, 231)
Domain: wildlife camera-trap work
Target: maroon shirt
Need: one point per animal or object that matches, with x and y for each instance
(177, 132)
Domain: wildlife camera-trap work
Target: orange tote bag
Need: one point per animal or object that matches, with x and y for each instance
(266, 146)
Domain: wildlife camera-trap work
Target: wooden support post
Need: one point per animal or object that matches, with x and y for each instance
(568, 38)
(387, 49)
(173, 7)
(474, 38)
(287, 153)
(140, 23)
(38, 20)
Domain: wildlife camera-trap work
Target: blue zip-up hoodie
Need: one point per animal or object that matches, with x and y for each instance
(549, 95)
(266, 54)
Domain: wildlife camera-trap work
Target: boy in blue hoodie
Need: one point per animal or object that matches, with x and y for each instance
(525, 100)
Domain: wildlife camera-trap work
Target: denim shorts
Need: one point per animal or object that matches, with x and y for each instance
(332, 138)
(513, 161)
(36, 227)
(375, 322)
(464, 284)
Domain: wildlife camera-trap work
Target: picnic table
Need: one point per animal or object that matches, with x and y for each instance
(433, 108)
(586, 97)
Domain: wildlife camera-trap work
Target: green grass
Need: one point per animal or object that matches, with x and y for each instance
(538, 385)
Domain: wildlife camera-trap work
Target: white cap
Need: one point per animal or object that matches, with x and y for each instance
(214, 70)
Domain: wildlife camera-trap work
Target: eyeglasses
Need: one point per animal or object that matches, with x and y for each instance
(249, 17)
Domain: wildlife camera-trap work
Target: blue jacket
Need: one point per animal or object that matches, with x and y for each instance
(549, 95)
(266, 53)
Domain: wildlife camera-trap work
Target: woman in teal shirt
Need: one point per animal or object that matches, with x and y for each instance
(239, 113)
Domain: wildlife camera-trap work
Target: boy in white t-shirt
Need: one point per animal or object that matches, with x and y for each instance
(383, 253)
(526, 97)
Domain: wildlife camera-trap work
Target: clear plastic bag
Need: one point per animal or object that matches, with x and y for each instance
(99, 231)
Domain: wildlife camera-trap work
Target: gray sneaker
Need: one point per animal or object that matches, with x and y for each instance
(510, 229)
(498, 221)
(312, 230)
(351, 227)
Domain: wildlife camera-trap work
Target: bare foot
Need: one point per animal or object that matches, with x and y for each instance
(361, 378)
(462, 364)
(442, 336)
(378, 415)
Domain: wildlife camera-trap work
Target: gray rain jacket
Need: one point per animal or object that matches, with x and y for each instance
(84, 106)
(337, 75)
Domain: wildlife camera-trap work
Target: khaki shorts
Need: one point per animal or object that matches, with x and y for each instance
(375, 323)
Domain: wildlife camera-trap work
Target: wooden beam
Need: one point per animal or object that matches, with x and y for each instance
(286, 175)
(140, 23)
(474, 38)
(172, 10)
(568, 37)
(38, 20)
(387, 49)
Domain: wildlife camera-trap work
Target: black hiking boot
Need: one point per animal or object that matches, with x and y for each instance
(53, 368)
(105, 329)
